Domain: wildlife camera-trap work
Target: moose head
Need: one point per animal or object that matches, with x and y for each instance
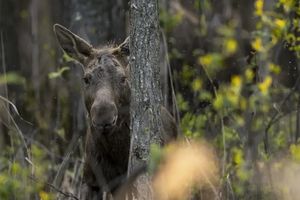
(107, 92)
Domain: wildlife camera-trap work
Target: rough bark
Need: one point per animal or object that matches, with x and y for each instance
(145, 88)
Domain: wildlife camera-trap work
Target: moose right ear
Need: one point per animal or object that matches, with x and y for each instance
(124, 47)
(72, 44)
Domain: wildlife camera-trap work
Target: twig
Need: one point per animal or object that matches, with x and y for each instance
(17, 128)
(48, 151)
(297, 134)
(215, 191)
(221, 121)
(175, 106)
(14, 108)
(66, 194)
(62, 168)
(275, 115)
(3, 65)
(230, 187)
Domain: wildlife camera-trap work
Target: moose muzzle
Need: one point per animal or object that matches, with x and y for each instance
(104, 114)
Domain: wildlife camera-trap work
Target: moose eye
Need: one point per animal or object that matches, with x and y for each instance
(99, 58)
(123, 80)
(87, 79)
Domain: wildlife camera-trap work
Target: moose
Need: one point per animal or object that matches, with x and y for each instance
(107, 99)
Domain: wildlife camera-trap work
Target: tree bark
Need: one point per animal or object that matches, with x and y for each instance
(145, 88)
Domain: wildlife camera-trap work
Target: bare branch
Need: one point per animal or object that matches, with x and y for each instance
(66, 194)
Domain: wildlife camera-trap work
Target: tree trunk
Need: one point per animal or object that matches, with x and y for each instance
(145, 88)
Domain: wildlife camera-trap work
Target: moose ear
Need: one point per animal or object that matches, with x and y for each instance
(124, 47)
(72, 44)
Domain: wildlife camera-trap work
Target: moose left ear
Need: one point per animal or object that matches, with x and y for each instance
(124, 47)
(72, 44)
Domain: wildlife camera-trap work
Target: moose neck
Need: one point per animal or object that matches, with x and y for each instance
(118, 137)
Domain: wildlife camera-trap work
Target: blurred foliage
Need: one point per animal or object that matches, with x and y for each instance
(12, 78)
(58, 73)
(18, 179)
(252, 116)
(236, 69)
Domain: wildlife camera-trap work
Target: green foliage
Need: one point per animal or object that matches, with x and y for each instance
(12, 78)
(170, 21)
(58, 73)
(156, 155)
(251, 114)
(17, 177)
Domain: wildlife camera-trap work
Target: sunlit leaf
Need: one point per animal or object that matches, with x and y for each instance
(274, 68)
(287, 4)
(295, 151)
(44, 195)
(259, 5)
(257, 44)
(53, 75)
(280, 23)
(218, 102)
(236, 81)
(206, 60)
(238, 156)
(230, 46)
(67, 58)
(197, 84)
(264, 86)
(249, 74)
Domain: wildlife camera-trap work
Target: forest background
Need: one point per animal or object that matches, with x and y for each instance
(234, 66)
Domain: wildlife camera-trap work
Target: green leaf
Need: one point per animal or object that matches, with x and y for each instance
(57, 74)
(12, 78)
(155, 158)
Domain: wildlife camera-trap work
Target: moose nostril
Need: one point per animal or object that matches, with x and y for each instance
(103, 114)
(111, 124)
(106, 126)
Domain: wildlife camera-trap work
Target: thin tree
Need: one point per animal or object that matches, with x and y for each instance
(145, 88)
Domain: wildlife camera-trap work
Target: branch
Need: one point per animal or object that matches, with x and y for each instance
(66, 194)
(62, 168)
(221, 121)
(275, 115)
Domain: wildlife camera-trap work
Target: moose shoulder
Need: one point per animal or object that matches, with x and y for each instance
(107, 98)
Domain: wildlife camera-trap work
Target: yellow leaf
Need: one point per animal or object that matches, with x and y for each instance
(230, 46)
(280, 23)
(243, 104)
(197, 84)
(287, 4)
(233, 98)
(218, 103)
(259, 5)
(274, 68)
(44, 195)
(236, 81)
(295, 151)
(264, 86)
(249, 74)
(206, 60)
(257, 44)
(238, 156)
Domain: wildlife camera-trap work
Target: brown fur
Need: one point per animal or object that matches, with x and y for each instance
(107, 97)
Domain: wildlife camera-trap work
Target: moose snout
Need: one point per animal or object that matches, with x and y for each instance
(104, 115)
